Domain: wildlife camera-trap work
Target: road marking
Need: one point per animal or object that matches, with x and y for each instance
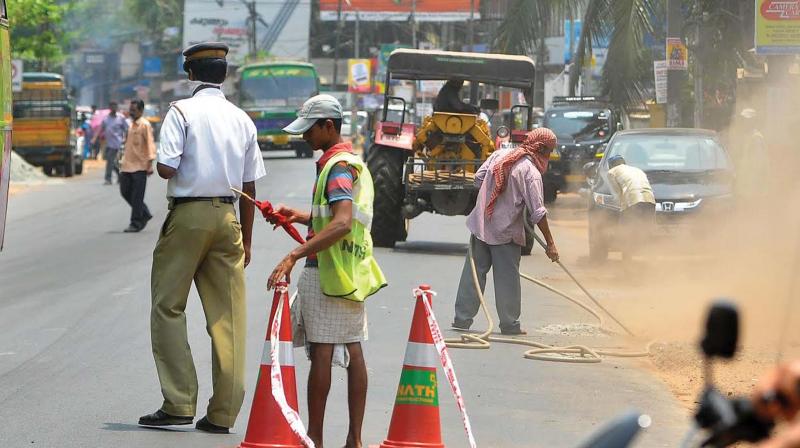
(7, 353)
(123, 292)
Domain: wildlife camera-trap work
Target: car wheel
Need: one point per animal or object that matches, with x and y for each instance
(69, 166)
(79, 166)
(550, 193)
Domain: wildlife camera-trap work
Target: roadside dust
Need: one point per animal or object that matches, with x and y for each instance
(664, 295)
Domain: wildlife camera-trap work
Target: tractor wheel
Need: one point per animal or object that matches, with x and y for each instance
(550, 192)
(386, 167)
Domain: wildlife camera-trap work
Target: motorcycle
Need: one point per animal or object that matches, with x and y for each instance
(719, 421)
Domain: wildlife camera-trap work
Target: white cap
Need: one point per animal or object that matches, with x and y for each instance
(316, 107)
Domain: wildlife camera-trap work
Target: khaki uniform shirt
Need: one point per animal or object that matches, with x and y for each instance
(630, 185)
(140, 149)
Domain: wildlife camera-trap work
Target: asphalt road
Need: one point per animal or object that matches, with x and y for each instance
(76, 368)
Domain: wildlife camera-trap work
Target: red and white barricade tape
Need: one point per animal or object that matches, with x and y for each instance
(447, 363)
(291, 416)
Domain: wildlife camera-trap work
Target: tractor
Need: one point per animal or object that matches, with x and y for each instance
(431, 167)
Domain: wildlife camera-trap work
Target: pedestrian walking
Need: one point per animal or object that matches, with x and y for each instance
(113, 129)
(636, 200)
(86, 128)
(137, 165)
(207, 146)
(509, 182)
(340, 272)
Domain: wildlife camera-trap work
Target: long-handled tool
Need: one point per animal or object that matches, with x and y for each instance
(274, 218)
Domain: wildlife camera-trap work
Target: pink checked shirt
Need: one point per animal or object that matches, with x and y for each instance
(524, 189)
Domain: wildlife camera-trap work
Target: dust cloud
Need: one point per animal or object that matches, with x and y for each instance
(749, 256)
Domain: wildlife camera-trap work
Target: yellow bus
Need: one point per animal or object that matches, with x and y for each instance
(6, 116)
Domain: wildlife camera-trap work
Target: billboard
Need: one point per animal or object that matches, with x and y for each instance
(358, 75)
(400, 10)
(281, 31)
(777, 27)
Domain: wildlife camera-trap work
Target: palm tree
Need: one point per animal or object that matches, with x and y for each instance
(528, 23)
(624, 23)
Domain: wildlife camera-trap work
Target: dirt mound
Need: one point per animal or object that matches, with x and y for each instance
(24, 172)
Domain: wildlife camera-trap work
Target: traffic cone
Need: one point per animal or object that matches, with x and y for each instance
(415, 419)
(267, 426)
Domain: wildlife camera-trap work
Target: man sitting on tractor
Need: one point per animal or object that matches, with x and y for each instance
(449, 99)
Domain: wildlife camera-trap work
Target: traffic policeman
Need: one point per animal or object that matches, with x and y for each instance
(207, 146)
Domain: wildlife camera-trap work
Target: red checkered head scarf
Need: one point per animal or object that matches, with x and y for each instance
(538, 144)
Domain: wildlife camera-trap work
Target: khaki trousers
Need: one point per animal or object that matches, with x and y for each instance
(202, 242)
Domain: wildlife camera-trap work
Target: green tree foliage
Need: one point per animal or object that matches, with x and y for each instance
(37, 34)
(156, 16)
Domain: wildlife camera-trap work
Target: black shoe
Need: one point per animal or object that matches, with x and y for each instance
(132, 229)
(204, 425)
(460, 326)
(514, 332)
(161, 418)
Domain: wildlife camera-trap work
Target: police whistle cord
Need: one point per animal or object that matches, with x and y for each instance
(543, 352)
(274, 218)
(444, 359)
(276, 378)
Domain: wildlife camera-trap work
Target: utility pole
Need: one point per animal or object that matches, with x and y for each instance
(675, 78)
(414, 23)
(336, 46)
(471, 27)
(251, 6)
(354, 95)
(699, 92)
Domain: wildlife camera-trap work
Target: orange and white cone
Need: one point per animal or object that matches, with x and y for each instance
(415, 419)
(274, 421)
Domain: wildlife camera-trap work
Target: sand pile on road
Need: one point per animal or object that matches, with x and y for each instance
(24, 172)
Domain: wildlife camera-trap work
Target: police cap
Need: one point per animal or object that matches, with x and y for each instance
(204, 50)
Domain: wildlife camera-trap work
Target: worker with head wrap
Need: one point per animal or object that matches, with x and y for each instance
(509, 182)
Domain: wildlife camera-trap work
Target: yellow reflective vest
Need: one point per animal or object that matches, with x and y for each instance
(347, 269)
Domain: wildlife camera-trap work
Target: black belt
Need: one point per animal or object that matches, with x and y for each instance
(223, 199)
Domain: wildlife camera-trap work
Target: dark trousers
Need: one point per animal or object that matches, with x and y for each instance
(637, 222)
(111, 162)
(132, 187)
(503, 260)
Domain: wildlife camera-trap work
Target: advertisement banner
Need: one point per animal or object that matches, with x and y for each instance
(280, 32)
(677, 55)
(383, 62)
(400, 10)
(660, 74)
(777, 27)
(16, 75)
(358, 75)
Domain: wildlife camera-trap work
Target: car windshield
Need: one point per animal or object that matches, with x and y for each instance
(665, 153)
(277, 86)
(578, 124)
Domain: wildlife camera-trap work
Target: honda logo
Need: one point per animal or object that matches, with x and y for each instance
(668, 206)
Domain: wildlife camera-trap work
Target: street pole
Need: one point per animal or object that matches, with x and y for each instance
(675, 78)
(699, 93)
(414, 23)
(471, 27)
(353, 98)
(253, 17)
(336, 46)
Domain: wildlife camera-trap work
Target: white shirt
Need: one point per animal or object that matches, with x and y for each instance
(630, 185)
(213, 146)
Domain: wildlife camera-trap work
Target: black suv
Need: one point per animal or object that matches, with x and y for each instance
(583, 126)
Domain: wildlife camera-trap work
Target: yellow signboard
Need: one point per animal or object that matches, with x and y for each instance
(677, 55)
(778, 26)
(359, 79)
